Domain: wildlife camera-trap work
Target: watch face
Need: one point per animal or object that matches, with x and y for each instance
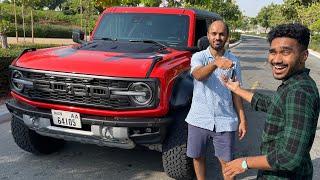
(244, 165)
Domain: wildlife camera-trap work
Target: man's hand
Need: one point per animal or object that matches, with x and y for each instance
(236, 89)
(242, 129)
(223, 63)
(234, 168)
(233, 86)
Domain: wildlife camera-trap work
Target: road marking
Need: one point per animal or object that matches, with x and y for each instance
(255, 85)
(234, 44)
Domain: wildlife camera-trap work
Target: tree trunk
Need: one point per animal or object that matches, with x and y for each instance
(81, 14)
(4, 41)
(85, 29)
(15, 19)
(23, 27)
(32, 31)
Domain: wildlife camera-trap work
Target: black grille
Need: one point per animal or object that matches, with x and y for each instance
(77, 90)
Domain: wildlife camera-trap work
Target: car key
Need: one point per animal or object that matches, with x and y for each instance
(233, 74)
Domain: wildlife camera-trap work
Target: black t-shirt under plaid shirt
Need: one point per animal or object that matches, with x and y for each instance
(292, 116)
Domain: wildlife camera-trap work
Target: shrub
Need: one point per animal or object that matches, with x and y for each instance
(4, 76)
(15, 50)
(315, 42)
(234, 36)
(43, 17)
(5, 26)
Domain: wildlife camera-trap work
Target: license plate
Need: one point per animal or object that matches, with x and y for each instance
(66, 118)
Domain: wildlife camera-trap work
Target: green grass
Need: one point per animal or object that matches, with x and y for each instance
(235, 36)
(315, 43)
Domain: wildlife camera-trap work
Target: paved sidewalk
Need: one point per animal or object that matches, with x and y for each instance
(13, 40)
(4, 113)
(3, 109)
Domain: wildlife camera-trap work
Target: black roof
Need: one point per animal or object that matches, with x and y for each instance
(206, 14)
(203, 14)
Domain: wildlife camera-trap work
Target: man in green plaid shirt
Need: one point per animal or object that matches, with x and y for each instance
(293, 110)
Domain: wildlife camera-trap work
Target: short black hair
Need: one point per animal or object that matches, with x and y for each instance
(294, 30)
(225, 24)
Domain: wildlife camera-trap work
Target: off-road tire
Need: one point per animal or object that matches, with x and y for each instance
(33, 142)
(174, 158)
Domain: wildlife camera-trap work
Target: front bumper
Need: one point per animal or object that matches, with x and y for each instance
(119, 132)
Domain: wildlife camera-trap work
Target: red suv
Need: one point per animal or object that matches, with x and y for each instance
(129, 85)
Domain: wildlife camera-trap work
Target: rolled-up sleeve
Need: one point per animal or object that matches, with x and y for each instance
(298, 132)
(260, 102)
(196, 61)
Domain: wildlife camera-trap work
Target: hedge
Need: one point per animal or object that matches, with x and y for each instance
(4, 75)
(44, 31)
(315, 42)
(234, 37)
(43, 16)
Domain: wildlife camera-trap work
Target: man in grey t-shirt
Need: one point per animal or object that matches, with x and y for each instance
(215, 112)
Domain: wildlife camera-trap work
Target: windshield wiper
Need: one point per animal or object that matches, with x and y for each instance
(150, 41)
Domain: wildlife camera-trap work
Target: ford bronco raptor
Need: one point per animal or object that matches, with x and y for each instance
(129, 85)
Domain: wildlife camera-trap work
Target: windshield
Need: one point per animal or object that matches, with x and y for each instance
(171, 30)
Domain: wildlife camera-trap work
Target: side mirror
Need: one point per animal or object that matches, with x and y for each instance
(78, 36)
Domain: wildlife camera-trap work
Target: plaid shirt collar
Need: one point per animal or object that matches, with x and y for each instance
(293, 76)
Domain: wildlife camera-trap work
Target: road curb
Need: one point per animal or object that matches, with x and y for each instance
(314, 53)
(234, 44)
(248, 35)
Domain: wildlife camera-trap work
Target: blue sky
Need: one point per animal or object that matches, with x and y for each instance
(252, 7)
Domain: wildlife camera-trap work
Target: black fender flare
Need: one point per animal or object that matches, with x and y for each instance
(25, 51)
(182, 91)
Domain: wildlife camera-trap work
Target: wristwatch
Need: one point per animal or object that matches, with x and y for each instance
(244, 164)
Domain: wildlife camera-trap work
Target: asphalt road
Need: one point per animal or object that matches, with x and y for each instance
(80, 161)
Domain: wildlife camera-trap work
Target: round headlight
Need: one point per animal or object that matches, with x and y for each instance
(144, 89)
(15, 77)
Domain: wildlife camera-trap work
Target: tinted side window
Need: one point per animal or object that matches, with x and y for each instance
(201, 29)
